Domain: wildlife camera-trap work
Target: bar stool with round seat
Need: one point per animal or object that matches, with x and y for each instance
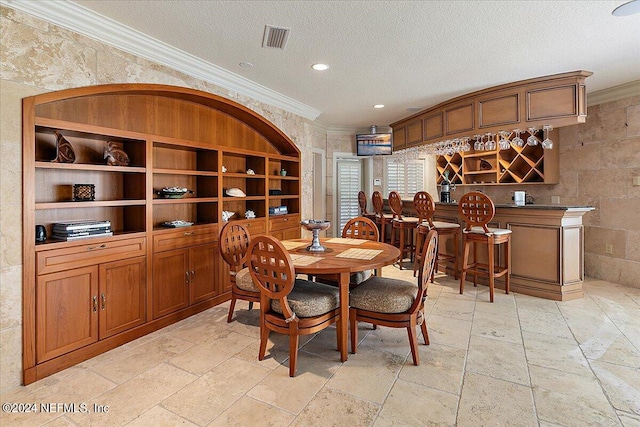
(382, 219)
(402, 225)
(477, 210)
(425, 207)
(362, 203)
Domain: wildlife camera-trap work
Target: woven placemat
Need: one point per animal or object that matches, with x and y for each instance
(345, 241)
(356, 253)
(292, 244)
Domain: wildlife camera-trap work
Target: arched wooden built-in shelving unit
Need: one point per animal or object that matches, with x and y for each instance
(83, 297)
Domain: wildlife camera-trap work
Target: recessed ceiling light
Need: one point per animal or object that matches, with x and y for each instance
(627, 9)
(378, 106)
(246, 64)
(320, 67)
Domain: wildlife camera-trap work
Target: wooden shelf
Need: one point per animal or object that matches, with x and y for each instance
(243, 175)
(234, 199)
(90, 167)
(183, 172)
(91, 204)
(163, 201)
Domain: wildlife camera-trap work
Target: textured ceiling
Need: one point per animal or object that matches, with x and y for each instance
(399, 53)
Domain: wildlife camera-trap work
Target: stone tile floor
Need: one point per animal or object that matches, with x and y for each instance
(518, 361)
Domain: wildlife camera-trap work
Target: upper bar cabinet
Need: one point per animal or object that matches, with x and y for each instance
(556, 100)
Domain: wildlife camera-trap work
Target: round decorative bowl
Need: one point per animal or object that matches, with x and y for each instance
(174, 192)
(315, 226)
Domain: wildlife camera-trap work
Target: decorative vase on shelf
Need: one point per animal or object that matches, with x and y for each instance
(283, 172)
(64, 150)
(115, 155)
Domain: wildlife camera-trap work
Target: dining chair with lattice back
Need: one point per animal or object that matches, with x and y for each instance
(395, 303)
(477, 210)
(356, 228)
(382, 218)
(425, 207)
(404, 227)
(234, 243)
(288, 305)
(361, 228)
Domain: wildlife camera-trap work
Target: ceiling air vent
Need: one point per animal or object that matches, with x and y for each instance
(275, 37)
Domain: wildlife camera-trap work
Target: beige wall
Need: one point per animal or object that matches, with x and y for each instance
(38, 57)
(597, 163)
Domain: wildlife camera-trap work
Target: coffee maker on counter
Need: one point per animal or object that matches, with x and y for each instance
(445, 189)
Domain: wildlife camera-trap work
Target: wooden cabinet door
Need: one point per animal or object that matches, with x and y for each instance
(287, 233)
(67, 311)
(170, 281)
(203, 272)
(122, 295)
(399, 138)
(414, 132)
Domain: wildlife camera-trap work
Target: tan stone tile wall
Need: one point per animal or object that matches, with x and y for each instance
(37, 57)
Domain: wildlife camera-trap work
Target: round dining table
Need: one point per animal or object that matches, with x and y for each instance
(342, 257)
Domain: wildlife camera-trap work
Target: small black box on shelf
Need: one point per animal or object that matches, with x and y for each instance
(84, 192)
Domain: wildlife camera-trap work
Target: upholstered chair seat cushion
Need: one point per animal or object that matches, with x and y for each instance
(408, 219)
(308, 299)
(244, 281)
(387, 215)
(360, 276)
(384, 295)
(494, 231)
(444, 224)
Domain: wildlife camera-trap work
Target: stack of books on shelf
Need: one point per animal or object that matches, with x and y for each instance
(75, 230)
(279, 210)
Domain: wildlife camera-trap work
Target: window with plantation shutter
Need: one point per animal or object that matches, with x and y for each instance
(349, 183)
(405, 177)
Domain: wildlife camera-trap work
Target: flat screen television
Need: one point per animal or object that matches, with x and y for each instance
(374, 144)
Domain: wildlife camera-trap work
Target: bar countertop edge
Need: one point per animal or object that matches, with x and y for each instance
(534, 206)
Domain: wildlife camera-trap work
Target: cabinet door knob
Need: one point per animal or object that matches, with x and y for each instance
(189, 233)
(193, 274)
(104, 300)
(95, 304)
(186, 278)
(92, 248)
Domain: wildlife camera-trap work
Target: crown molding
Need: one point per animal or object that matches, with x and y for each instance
(83, 21)
(614, 93)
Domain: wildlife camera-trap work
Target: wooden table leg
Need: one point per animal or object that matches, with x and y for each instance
(342, 329)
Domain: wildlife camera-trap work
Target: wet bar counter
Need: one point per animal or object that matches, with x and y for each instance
(547, 247)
